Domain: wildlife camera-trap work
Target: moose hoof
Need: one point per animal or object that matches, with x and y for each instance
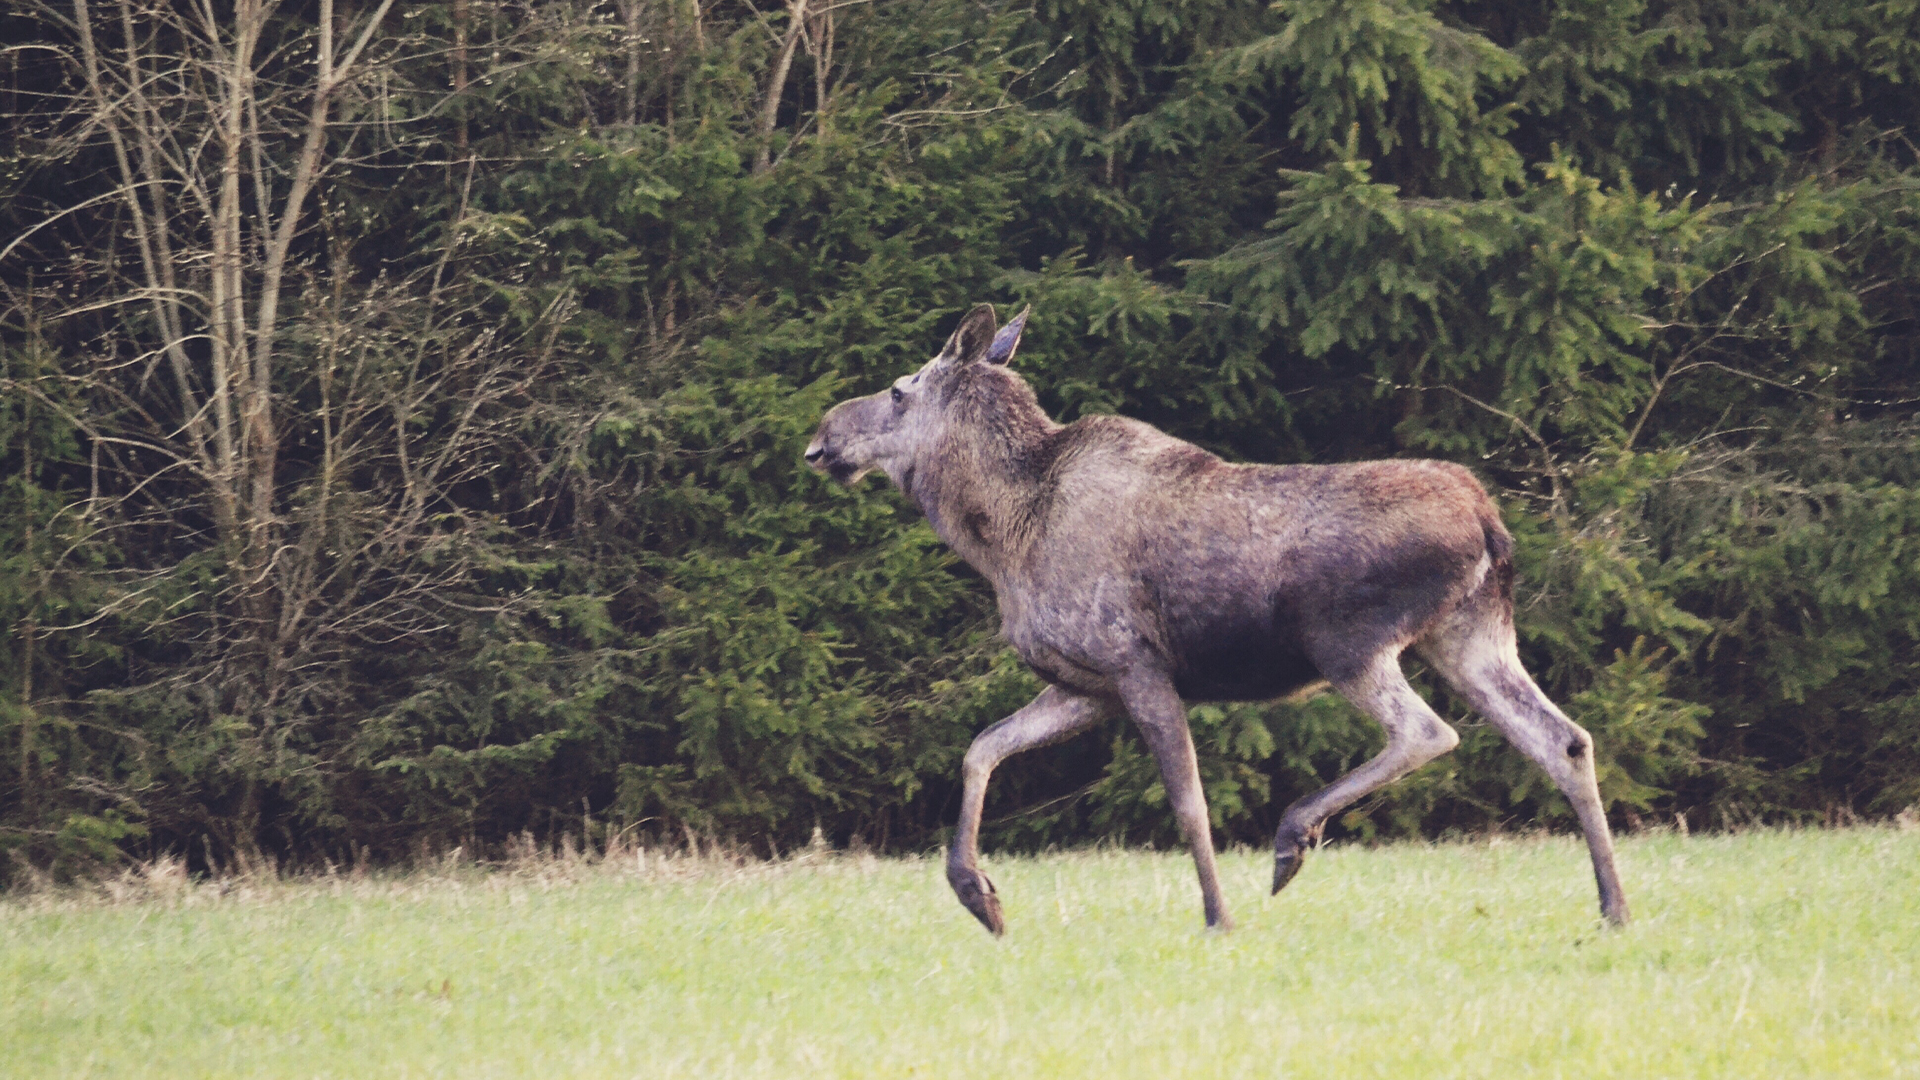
(1616, 914)
(1285, 866)
(976, 894)
(1290, 849)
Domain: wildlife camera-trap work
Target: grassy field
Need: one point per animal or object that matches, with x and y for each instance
(1768, 954)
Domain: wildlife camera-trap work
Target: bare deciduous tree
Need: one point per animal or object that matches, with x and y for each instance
(252, 404)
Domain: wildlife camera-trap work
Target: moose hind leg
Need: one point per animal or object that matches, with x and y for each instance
(1049, 718)
(1484, 667)
(1415, 736)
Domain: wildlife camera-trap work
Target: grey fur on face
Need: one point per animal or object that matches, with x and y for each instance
(1136, 572)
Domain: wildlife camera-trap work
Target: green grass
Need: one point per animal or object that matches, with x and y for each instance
(1767, 954)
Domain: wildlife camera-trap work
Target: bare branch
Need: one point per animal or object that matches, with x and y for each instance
(777, 84)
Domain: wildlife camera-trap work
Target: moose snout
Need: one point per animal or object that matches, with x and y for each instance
(823, 458)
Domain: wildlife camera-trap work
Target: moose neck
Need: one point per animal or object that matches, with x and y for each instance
(982, 488)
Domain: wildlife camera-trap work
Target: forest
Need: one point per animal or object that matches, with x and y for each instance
(401, 404)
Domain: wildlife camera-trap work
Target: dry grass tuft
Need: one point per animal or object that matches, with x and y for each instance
(524, 861)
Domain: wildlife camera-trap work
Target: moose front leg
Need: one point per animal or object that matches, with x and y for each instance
(1055, 715)
(1162, 717)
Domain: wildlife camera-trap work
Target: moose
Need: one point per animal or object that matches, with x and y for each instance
(1136, 572)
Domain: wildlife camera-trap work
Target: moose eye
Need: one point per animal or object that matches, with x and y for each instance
(898, 396)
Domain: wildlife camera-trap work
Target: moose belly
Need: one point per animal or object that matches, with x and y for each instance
(1236, 648)
(1252, 668)
(1230, 660)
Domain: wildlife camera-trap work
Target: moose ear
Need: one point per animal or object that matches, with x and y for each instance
(972, 338)
(1008, 339)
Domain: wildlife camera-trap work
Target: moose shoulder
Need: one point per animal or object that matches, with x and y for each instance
(1135, 571)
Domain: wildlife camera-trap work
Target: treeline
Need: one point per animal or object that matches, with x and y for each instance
(401, 404)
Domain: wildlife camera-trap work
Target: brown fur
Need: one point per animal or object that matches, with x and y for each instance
(1134, 570)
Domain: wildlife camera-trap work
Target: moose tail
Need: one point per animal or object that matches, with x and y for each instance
(1499, 549)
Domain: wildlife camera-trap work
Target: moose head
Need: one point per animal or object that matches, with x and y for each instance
(890, 430)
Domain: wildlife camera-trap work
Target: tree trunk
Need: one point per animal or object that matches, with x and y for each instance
(777, 85)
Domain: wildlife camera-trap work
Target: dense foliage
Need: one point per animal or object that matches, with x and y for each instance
(511, 532)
